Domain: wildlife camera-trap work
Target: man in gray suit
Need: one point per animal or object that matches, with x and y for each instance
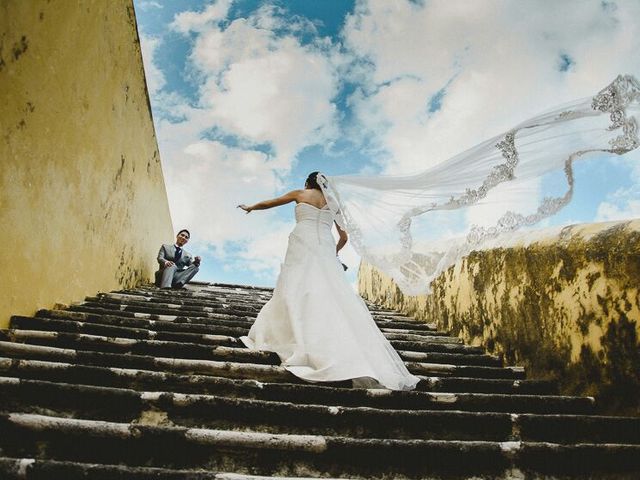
(177, 266)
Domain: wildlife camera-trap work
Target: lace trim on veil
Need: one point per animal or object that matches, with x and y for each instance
(353, 198)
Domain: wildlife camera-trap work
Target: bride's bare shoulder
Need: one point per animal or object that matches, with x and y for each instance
(313, 197)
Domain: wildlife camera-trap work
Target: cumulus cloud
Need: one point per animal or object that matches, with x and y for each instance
(426, 80)
(262, 95)
(149, 4)
(155, 77)
(435, 78)
(623, 203)
(498, 62)
(189, 21)
(262, 84)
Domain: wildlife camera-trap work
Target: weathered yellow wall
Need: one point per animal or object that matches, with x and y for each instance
(82, 198)
(566, 306)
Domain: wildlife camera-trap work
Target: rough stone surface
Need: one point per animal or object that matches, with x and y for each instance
(566, 306)
(144, 383)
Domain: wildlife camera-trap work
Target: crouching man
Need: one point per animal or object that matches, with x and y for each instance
(177, 266)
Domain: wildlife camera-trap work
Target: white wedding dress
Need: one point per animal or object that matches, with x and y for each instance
(319, 327)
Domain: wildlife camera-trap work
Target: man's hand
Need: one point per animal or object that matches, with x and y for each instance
(197, 261)
(168, 263)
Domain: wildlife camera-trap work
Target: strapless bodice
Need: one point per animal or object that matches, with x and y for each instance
(306, 212)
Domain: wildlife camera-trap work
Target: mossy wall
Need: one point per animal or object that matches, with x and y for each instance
(82, 196)
(566, 306)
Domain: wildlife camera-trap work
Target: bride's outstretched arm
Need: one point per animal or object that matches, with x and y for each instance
(342, 241)
(274, 202)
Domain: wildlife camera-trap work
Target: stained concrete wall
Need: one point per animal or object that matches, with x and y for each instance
(82, 196)
(565, 306)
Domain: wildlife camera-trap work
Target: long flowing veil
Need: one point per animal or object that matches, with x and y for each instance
(414, 227)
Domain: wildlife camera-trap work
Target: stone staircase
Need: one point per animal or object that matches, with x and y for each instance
(154, 384)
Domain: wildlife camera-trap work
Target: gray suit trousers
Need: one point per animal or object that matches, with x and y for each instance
(172, 277)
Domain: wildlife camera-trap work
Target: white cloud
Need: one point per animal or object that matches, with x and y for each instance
(149, 4)
(155, 78)
(196, 22)
(208, 183)
(257, 87)
(261, 85)
(266, 87)
(503, 58)
(623, 203)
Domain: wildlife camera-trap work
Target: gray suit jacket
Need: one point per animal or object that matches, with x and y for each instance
(168, 252)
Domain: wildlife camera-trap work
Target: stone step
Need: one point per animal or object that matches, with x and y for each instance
(427, 347)
(247, 316)
(130, 328)
(35, 469)
(238, 319)
(178, 365)
(204, 317)
(202, 299)
(197, 301)
(145, 329)
(452, 358)
(220, 412)
(169, 309)
(171, 323)
(215, 350)
(171, 304)
(150, 333)
(137, 444)
(524, 396)
(183, 324)
(445, 370)
(142, 350)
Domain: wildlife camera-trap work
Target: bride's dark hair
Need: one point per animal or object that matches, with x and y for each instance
(312, 181)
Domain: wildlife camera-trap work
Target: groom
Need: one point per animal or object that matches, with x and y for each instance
(177, 266)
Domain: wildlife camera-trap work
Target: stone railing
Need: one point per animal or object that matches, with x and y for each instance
(565, 305)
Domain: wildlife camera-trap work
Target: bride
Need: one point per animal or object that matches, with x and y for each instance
(319, 327)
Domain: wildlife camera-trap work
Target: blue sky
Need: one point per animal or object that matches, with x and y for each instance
(250, 96)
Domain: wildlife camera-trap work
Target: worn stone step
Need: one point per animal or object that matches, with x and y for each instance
(184, 352)
(428, 347)
(190, 301)
(171, 323)
(105, 329)
(445, 370)
(229, 318)
(434, 338)
(168, 349)
(142, 330)
(36, 469)
(123, 310)
(170, 304)
(134, 329)
(243, 317)
(210, 411)
(452, 358)
(177, 447)
(518, 400)
(208, 367)
(188, 308)
(198, 298)
(207, 411)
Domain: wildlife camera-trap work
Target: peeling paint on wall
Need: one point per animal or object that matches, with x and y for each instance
(566, 306)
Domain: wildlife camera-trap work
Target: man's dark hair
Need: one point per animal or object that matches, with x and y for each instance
(184, 230)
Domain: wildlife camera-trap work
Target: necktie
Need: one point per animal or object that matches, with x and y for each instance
(178, 254)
